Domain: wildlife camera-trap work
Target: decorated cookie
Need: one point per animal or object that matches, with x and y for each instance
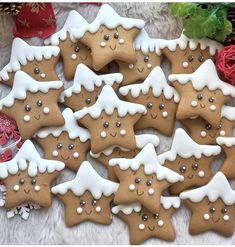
(37, 61)
(148, 56)
(228, 146)
(186, 55)
(87, 197)
(160, 99)
(189, 159)
(142, 179)
(33, 104)
(110, 121)
(119, 152)
(68, 143)
(110, 37)
(145, 224)
(73, 52)
(27, 177)
(87, 86)
(202, 93)
(204, 133)
(212, 207)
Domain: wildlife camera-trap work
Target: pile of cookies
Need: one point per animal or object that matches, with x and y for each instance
(101, 113)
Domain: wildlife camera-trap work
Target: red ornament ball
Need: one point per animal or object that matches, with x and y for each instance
(225, 63)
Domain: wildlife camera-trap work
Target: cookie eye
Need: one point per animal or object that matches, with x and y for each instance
(21, 181)
(76, 48)
(161, 106)
(88, 101)
(149, 105)
(212, 210)
(190, 58)
(146, 59)
(137, 180)
(211, 99)
(219, 126)
(116, 35)
(27, 108)
(201, 59)
(93, 202)
(148, 182)
(36, 70)
(70, 146)
(59, 145)
(106, 37)
(106, 124)
(82, 203)
(183, 169)
(224, 210)
(33, 181)
(155, 215)
(195, 166)
(118, 124)
(199, 97)
(144, 217)
(208, 126)
(39, 103)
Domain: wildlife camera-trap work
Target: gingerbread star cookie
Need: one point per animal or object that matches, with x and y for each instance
(202, 93)
(160, 99)
(119, 152)
(186, 55)
(27, 177)
(212, 207)
(87, 86)
(148, 56)
(68, 143)
(110, 37)
(73, 52)
(110, 121)
(37, 61)
(142, 179)
(144, 224)
(33, 104)
(204, 133)
(189, 159)
(87, 197)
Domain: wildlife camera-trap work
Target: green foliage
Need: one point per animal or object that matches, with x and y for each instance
(203, 20)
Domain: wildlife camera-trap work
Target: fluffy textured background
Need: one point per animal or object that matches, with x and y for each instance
(47, 226)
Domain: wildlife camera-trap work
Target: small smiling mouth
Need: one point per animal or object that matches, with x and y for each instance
(26, 191)
(83, 59)
(88, 213)
(140, 70)
(202, 105)
(114, 134)
(215, 221)
(212, 136)
(139, 194)
(153, 116)
(64, 158)
(37, 117)
(151, 228)
(190, 177)
(112, 47)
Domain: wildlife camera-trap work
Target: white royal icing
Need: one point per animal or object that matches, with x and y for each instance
(108, 101)
(205, 76)
(85, 77)
(21, 53)
(156, 81)
(148, 158)
(71, 127)
(218, 187)
(146, 44)
(184, 146)
(74, 20)
(28, 158)
(108, 17)
(227, 141)
(23, 83)
(87, 179)
(228, 112)
(183, 42)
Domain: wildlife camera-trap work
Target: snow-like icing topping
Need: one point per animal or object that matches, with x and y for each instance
(141, 140)
(156, 81)
(21, 53)
(71, 127)
(29, 159)
(108, 101)
(205, 76)
(85, 77)
(218, 187)
(74, 20)
(108, 17)
(146, 44)
(87, 179)
(228, 112)
(184, 146)
(148, 158)
(165, 201)
(227, 141)
(23, 83)
(183, 42)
